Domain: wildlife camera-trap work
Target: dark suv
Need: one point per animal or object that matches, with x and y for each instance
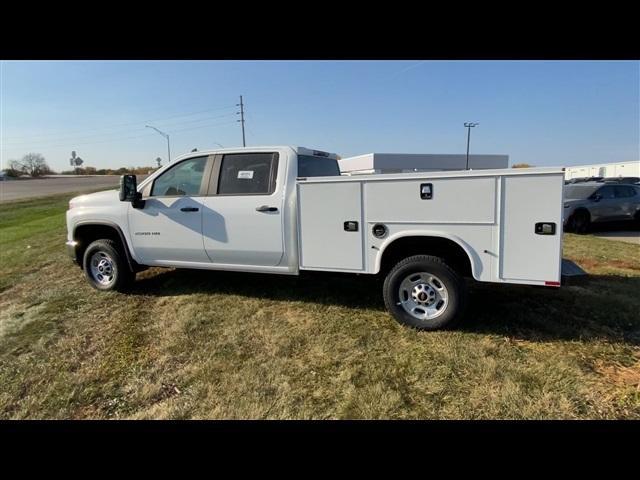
(587, 203)
(633, 180)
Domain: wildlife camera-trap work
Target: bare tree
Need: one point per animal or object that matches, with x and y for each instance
(521, 165)
(32, 164)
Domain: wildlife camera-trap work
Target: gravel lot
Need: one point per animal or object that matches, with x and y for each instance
(19, 189)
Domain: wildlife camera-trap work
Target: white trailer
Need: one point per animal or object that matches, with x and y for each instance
(287, 209)
(418, 162)
(620, 169)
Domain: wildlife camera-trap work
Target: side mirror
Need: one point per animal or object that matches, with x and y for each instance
(128, 188)
(129, 191)
(597, 197)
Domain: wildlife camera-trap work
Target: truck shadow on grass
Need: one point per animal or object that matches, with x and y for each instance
(310, 287)
(605, 307)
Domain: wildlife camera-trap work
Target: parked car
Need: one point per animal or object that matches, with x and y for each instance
(287, 209)
(583, 180)
(631, 180)
(587, 203)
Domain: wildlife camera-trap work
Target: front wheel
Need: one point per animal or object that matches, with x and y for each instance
(579, 222)
(105, 266)
(425, 293)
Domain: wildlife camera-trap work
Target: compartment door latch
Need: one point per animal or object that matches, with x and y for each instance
(351, 226)
(545, 228)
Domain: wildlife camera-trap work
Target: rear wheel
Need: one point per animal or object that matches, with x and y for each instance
(105, 266)
(425, 293)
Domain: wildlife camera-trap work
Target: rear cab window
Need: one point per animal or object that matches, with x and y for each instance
(248, 174)
(316, 166)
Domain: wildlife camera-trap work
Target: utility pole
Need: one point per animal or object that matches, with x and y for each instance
(469, 125)
(241, 113)
(165, 135)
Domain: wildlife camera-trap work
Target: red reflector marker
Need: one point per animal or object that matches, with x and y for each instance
(552, 284)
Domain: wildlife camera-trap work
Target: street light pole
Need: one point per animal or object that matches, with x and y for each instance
(469, 125)
(165, 135)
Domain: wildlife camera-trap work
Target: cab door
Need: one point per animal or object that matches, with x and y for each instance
(243, 216)
(168, 229)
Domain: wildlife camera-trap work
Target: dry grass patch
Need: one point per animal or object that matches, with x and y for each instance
(187, 344)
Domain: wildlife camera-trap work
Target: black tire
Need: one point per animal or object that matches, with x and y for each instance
(580, 222)
(456, 291)
(121, 276)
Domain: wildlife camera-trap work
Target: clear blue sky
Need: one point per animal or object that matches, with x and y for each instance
(542, 113)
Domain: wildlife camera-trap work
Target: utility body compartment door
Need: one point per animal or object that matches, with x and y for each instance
(330, 226)
(530, 254)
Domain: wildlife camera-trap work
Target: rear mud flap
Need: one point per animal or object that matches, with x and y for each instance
(572, 274)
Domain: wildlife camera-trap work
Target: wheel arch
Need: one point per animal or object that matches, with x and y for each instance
(88, 231)
(455, 251)
(582, 210)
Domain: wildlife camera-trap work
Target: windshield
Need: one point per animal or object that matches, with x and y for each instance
(579, 192)
(309, 166)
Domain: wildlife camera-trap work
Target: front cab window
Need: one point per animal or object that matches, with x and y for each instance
(184, 179)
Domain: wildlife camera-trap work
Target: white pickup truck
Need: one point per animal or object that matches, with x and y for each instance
(287, 209)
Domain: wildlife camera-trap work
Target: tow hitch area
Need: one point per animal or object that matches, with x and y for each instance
(572, 274)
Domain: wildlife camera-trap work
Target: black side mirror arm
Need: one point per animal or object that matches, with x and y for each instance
(138, 202)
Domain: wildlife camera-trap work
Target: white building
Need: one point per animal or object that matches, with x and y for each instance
(623, 169)
(418, 162)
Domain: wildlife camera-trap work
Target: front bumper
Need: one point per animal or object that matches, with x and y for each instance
(71, 250)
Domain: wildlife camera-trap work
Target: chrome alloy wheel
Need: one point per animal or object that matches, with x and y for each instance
(423, 296)
(102, 268)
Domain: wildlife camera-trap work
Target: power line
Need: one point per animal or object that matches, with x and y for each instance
(200, 119)
(120, 124)
(193, 113)
(202, 126)
(250, 116)
(115, 132)
(117, 139)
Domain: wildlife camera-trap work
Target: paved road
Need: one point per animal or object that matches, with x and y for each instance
(19, 189)
(623, 236)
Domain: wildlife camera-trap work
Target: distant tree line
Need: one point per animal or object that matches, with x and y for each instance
(521, 165)
(109, 171)
(34, 165)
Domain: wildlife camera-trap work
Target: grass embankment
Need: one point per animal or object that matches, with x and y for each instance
(188, 344)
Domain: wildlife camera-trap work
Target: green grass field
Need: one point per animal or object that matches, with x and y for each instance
(188, 344)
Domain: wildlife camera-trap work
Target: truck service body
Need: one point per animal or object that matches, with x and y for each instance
(287, 209)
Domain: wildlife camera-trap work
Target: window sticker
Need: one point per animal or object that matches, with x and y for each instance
(247, 174)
